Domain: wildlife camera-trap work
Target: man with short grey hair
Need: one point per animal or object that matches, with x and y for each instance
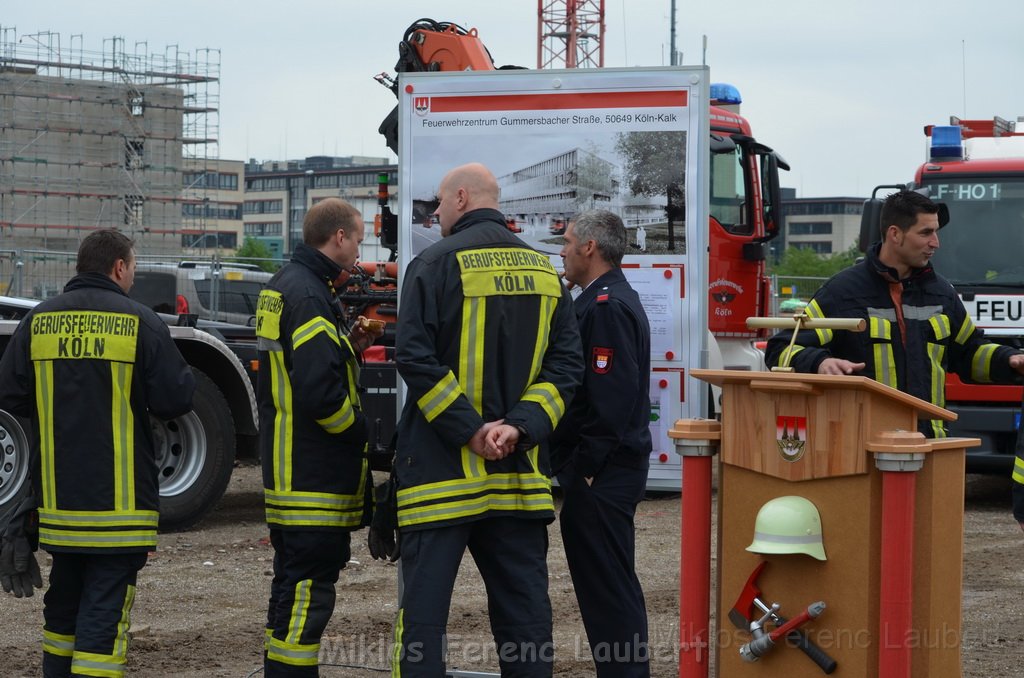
(601, 449)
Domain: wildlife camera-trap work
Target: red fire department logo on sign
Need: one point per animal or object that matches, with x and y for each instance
(791, 436)
(422, 105)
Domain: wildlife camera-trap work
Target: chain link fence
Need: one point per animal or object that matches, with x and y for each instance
(790, 293)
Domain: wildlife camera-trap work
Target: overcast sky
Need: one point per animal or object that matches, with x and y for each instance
(841, 89)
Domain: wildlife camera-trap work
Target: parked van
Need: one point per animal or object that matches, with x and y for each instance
(228, 293)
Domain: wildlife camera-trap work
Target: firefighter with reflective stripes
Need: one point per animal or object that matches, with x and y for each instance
(312, 434)
(88, 367)
(486, 336)
(917, 327)
(1018, 482)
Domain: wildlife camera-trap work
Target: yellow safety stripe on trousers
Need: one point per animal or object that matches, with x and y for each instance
(437, 399)
(100, 665)
(396, 647)
(44, 410)
(84, 335)
(550, 400)
(936, 352)
(123, 424)
(124, 623)
(58, 643)
(471, 371)
(981, 363)
(291, 653)
(300, 611)
(341, 420)
(788, 353)
(966, 330)
(813, 310)
(281, 392)
(310, 329)
(1018, 470)
(885, 364)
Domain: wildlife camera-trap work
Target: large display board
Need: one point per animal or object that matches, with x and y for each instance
(633, 141)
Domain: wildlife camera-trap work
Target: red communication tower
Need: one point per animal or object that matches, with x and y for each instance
(570, 33)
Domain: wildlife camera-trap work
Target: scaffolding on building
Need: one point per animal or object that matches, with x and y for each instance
(118, 138)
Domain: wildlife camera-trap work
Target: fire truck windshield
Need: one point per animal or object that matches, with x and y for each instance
(983, 243)
(729, 193)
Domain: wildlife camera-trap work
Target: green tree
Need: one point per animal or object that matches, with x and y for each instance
(655, 165)
(254, 249)
(803, 262)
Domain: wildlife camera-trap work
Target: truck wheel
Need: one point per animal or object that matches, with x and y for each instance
(15, 456)
(194, 455)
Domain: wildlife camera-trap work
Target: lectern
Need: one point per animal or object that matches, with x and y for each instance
(891, 507)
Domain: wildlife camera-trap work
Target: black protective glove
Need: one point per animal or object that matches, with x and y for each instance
(383, 537)
(19, 571)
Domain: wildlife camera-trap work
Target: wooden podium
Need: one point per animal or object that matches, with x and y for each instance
(891, 507)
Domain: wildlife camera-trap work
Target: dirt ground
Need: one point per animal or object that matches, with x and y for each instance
(201, 599)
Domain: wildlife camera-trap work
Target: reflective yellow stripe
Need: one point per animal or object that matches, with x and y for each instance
(396, 647)
(123, 421)
(880, 328)
(100, 665)
(475, 506)
(340, 420)
(317, 509)
(314, 500)
(981, 364)
(104, 519)
(966, 330)
(58, 644)
(464, 486)
(502, 271)
(540, 344)
(936, 352)
(300, 611)
(281, 390)
(940, 326)
(938, 428)
(436, 400)
(98, 540)
(44, 410)
(268, 314)
(813, 310)
(310, 329)
(292, 654)
(885, 364)
(546, 395)
(84, 335)
(1018, 470)
(471, 371)
(121, 635)
(788, 353)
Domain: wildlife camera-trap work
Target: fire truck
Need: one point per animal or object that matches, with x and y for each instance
(744, 209)
(976, 167)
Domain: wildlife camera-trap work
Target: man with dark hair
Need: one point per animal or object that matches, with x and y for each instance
(88, 367)
(312, 435)
(918, 328)
(601, 449)
(485, 336)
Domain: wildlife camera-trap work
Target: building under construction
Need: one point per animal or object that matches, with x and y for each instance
(120, 138)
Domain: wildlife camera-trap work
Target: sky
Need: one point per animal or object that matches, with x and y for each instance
(842, 90)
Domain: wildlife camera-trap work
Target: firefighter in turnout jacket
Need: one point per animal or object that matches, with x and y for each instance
(486, 335)
(312, 434)
(917, 327)
(88, 367)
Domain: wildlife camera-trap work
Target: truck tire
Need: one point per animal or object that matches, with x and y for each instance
(15, 457)
(195, 454)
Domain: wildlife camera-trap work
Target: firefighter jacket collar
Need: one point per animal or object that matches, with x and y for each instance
(83, 280)
(476, 216)
(889, 274)
(318, 262)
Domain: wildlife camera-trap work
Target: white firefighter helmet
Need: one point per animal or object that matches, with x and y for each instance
(788, 524)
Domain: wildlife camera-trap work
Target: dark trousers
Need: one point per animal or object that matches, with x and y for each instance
(86, 613)
(600, 544)
(306, 567)
(511, 555)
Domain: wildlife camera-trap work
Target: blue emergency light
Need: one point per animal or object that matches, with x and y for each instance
(947, 143)
(724, 94)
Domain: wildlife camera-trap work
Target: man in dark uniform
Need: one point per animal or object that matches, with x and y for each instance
(485, 336)
(88, 367)
(601, 449)
(312, 434)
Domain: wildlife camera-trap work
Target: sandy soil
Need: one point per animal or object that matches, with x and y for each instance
(202, 597)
